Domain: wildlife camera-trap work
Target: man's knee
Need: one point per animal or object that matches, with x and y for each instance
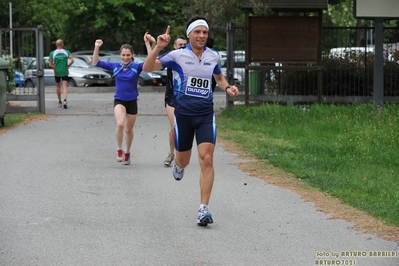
(206, 160)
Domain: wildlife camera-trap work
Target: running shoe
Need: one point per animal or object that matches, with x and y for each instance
(59, 105)
(168, 161)
(126, 161)
(204, 217)
(178, 172)
(65, 105)
(119, 157)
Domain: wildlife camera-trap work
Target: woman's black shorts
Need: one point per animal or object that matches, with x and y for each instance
(131, 106)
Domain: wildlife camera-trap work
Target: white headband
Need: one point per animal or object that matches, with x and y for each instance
(196, 23)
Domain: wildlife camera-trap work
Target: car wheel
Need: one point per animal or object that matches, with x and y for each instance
(71, 83)
(29, 84)
(141, 82)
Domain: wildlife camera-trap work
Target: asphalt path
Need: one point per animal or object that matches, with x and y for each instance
(64, 200)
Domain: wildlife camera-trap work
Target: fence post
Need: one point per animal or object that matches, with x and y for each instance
(40, 68)
(229, 62)
(378, 65)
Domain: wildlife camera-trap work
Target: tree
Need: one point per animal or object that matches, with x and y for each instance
(339, 13)
(118, 22)
(51, 14)
(80, 22)
(27, 13)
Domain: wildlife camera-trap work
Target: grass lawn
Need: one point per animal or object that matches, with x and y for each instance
(12, 120)
(351, 152)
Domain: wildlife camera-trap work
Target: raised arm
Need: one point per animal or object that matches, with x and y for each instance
(97, 45)
(152, 63)
(149, 42)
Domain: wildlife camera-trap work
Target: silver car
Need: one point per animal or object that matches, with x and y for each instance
(80, 75)
(239, 70)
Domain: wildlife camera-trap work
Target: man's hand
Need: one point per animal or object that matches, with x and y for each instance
(164, 39)
(232, 91)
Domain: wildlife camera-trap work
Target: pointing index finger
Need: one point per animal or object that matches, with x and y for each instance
(167, 30)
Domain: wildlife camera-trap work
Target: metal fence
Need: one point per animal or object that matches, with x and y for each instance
(347, 69)
(20, 46)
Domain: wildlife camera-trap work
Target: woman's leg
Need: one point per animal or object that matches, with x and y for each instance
(120, 115)
(129, 124)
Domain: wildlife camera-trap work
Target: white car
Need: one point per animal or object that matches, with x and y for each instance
(80, 75)
(239, 67)
(239, 70)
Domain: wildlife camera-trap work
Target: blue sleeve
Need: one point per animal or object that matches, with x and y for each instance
(217, 70)
(103, 64)
(108, 65)
(140, 67)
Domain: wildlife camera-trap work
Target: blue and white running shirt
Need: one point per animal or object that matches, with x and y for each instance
(192, 79)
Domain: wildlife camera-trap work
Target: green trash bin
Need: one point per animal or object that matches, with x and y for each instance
(254, 82)
(4, 69)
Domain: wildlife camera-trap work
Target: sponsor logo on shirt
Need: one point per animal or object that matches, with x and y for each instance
(197, 92)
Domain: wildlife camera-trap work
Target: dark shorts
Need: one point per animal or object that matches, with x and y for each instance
(168, 97)
(131, 106)
(58, 79)
(186, 127)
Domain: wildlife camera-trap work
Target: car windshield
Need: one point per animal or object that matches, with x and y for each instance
(77, 63)
(116, 59)
(139, 59)
(238, 62)
(80, 63)
(24, 62)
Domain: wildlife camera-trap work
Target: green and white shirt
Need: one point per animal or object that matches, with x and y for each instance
(60, 60)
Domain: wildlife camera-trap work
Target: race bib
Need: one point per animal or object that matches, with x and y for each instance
(198, 87)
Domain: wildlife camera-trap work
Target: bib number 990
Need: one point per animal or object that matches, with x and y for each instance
(198, 87)
(199, 83)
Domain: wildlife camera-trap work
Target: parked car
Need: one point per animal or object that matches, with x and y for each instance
(23, 62)
(89, 59)
(100, 53)
(155, 78)
(163, 73)
(19, 79)
(80, 75)
(239, 70)
(351, 53)
(223, 54)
